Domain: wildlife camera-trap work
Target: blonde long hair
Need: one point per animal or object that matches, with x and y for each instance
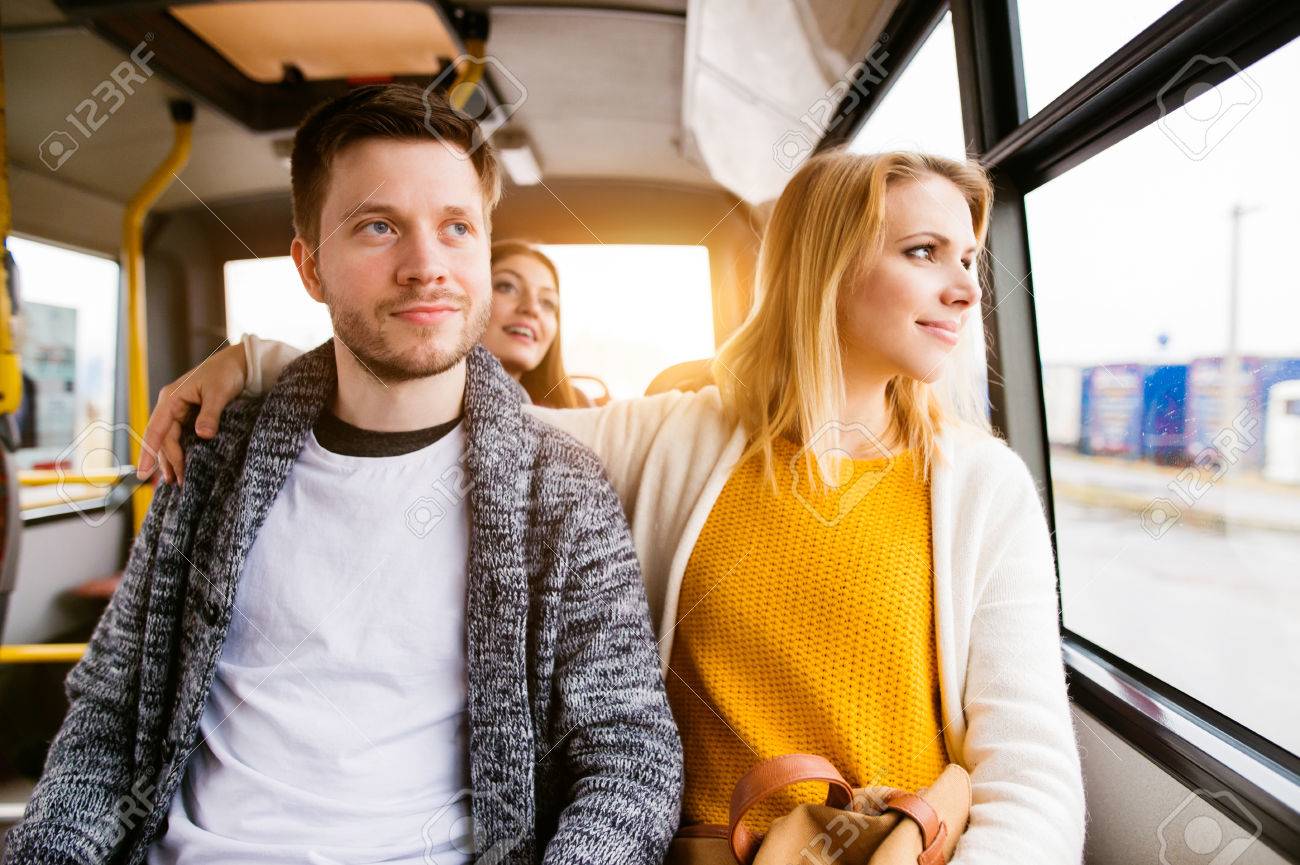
(547, 384)
(780, 373)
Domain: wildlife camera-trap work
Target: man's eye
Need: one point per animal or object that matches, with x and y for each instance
(380, 228)
(459, 229)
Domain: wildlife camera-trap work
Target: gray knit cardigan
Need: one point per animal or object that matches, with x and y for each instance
(574, 757)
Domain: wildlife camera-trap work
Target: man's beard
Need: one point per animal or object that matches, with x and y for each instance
(360, 333)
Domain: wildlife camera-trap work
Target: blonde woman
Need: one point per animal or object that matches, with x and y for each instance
(840, 557)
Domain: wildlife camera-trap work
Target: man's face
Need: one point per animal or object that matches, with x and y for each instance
(403, 258)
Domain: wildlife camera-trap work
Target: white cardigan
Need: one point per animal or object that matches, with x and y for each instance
(1001, 679)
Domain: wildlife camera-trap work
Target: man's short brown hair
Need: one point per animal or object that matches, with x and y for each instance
(399, 112)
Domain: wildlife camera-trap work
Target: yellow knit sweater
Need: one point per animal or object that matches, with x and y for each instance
(806, 625)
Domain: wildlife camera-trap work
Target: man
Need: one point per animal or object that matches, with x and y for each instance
(386, 606)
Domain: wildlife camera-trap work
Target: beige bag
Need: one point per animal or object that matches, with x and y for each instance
(867, 826)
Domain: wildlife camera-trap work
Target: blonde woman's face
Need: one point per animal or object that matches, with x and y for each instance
(905, 314)
(525, 313)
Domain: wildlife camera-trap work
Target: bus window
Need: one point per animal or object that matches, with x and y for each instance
(68, 306)
(1059, 48)
(628, 312)
(265, 296)
(1171, 358)
(922, 110)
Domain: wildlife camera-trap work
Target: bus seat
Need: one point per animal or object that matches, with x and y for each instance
(691, 375)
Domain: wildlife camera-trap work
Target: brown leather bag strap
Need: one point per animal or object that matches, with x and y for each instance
(772, 776)
(704, 830)
(934, 832)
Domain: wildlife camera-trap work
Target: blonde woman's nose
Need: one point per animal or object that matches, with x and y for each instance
(964, 289)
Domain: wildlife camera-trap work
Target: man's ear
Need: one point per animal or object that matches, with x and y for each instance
(305, 261)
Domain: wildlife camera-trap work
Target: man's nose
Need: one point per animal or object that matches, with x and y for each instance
(423, 259)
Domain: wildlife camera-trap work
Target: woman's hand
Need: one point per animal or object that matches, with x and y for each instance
(210, 386)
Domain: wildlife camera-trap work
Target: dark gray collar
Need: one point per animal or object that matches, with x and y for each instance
(492, 400)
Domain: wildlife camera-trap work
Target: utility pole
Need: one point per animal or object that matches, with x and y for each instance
(1230, 369)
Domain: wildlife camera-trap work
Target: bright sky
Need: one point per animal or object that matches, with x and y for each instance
(1061, 43)
(922, 109)
(627, 312)
(1136, 241)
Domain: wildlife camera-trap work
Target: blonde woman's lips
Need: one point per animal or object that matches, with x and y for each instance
(947, 331)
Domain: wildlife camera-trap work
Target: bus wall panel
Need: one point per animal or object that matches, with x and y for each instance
(186, 252)
(1133, 804)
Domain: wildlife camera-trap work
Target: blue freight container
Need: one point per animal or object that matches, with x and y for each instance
(1164, 416)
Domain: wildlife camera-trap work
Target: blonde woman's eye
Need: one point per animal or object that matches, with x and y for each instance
(503, 286)
(925, 252)
(968, 264)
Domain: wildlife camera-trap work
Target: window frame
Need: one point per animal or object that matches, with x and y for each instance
(1197, 744)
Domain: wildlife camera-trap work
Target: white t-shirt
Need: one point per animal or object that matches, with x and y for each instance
(354, 749)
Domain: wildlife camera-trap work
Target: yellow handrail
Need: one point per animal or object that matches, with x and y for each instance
(42, 653)
(11, 376)
(133, 262)
(48, 478)
(468, 76)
